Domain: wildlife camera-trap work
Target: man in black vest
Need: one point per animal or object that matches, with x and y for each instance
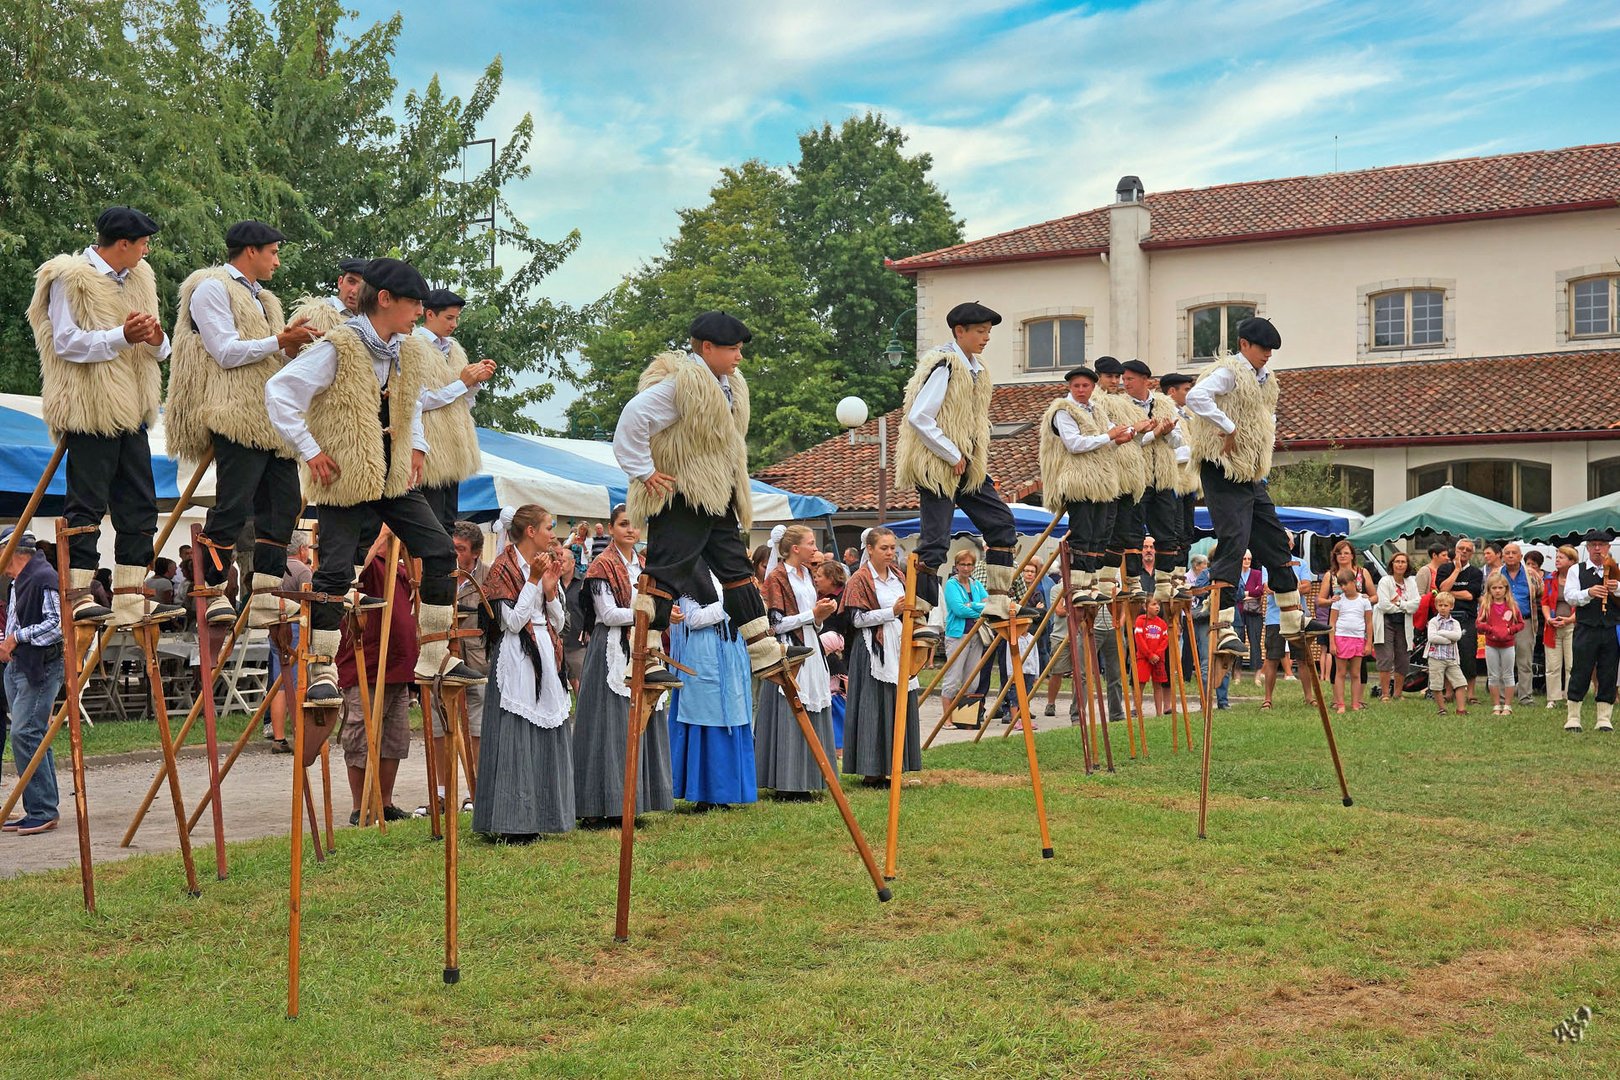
(1596, 650)
(32, 651)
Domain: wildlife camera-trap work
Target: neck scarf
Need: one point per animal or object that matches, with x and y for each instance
(380, 349)
(506, 578)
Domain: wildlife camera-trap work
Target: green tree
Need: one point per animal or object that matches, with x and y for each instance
(1312, 481)
(733, 255)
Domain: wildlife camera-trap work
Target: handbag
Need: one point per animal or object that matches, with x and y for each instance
(1420, 617)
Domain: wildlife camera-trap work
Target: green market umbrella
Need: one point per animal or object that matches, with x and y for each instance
(1447, 510)
(1576, 521)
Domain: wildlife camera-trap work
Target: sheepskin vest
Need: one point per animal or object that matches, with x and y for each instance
(964, 418)
(1068, 477)
(1133, 467)
(1253, 408)
(319, 312)
(346, 421)
(451, 437)
(118, 395)
(1188, 481)
(206, 399)
(705, 449)
(1159, 455)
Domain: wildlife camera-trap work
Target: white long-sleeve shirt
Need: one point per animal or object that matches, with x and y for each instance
(211, 314)
(290, 392)
(644, 416)
(1201, 398)
(924, 414)
(1575, 594)
(619, 619)
(1172, 439)
(545, 705)
(437, 397)
(77, 345)
(1069, 431)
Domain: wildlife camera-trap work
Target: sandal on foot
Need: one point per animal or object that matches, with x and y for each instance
(1265, 704)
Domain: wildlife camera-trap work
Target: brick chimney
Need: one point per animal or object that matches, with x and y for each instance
(1128, 221)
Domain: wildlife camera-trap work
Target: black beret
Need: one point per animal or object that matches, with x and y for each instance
(251, 234)
(1078, 372)
(439, 299)
(352, 266)
(398, 278)
(1174, 379)
(971, 314)
(1107, 365)
(1136, 367)
(718, 328)
(1258, 331)
(1602, 536)
(124, 223)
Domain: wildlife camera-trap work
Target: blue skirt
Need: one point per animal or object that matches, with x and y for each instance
(838, 720)
(712, 764)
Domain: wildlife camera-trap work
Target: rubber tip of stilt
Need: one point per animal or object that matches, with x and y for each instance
(195, 893)
(452, 976)
(621, 939)
(1348, 801)
(1201, 836)
(1047, 853)
(885, 895)
(888, 877)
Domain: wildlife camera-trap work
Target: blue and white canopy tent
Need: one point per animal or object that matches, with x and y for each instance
(1032, 520)
(572, 478)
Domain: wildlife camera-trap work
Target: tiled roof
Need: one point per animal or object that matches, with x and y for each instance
(1537, 182)
(1480, 400)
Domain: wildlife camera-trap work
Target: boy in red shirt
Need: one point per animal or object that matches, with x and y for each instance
(1152, 643)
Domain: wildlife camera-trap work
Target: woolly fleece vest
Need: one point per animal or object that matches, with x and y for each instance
(344, 418)
(1187, 479)
(705, 449)
(1068, 477)
(118, 395)
(451, 437)
(1133, 467)
(1253, 408)
(204, 398)
(319, 313)
(1159, 456)
(964, 418)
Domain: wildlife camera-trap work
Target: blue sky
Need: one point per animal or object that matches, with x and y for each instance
(1031, 110)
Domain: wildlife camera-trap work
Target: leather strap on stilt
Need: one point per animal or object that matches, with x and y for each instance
(214, 550)
(483, 597)
(450, 635)
(269, 543)
(79, 530)
(742, 583)
(312, 597)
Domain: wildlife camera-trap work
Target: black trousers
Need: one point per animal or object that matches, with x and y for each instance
(1596, 652)
(110, 473)
(445, 502)
(1125, 541)
(683, 545)
(1091, 524)
(1245, 519)
(1468, 649)
(1161, 512)
(1189, 504)
(348, 531)
(989, 514)
(254, 484)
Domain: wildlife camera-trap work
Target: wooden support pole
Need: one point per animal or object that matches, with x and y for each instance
(902, 700)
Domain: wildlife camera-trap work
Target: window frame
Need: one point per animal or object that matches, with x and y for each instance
(1367, 297)
(1612, 280)
(1406, 344)
(1185, 310)
(1517, 483)
(1060, 363)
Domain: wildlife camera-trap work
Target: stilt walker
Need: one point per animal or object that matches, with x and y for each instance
(1188, 488)
(682, 440)
(324, 313)
(1232, 429)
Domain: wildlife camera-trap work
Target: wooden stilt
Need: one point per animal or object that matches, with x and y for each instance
(371, 791)
(643, 700)
(428, 716)
(1098, 689)
(1080, 701)
(147, 635)
(902, 703)
(1120, 611)
(70, 679)
(314, 820)
(295, 896)
(1009, 630)
(1327, 726)
(205, 692)
(326, 795)
(1209, 707)
(452, 830)
(230, 759)
(1183, 624)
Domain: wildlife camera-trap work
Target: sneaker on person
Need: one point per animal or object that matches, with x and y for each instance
(28, 826)
(394, 813)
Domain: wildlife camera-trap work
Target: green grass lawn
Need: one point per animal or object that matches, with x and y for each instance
(121, 736)
(1440, 927)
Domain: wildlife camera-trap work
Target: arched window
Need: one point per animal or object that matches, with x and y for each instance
(1054, 344)
(1603, 478)
(1525, 485)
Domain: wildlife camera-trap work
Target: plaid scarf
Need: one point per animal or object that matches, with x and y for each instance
(382, 350)
(505, 581)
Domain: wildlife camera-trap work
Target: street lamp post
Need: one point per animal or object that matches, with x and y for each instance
(852, 413)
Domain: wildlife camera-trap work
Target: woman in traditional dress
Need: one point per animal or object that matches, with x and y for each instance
(526, 765)
(835, 632)
(876, 600)
(785, 763)
(602, 713)
(711, 738)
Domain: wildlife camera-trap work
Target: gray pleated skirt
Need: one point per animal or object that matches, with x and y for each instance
(782, 759)
(601, 725)
(869, 720)
(525, 774)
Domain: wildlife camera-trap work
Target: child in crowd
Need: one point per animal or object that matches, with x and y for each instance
(1444, 668)
(1350, 639)
(1500, 620)
(1152, 643)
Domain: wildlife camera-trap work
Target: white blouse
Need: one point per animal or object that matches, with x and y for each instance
(544, 706)
(889, 587)
(610, 614)
(815, 684)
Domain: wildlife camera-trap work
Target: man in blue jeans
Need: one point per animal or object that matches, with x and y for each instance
(32, 650)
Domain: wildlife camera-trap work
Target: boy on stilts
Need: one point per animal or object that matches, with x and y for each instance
(1161, 505)
(447, 403)
(95, 321)
(682, 440)
(325, 312)
(944, 452)
(1129, 529)
(1232, 429)
(1080, 475)
(229, 340)
(350, 405)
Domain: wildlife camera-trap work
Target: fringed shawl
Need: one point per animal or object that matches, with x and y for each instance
(504, 582)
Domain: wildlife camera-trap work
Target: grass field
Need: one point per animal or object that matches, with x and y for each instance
(1440, 927)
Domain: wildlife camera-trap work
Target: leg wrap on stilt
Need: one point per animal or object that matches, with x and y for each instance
(647, 601)
(1605, 716)
(1228, 643)
(323, 692)
(1291, 620)
(131, 604)
(1107, 583)
(765, 653)
(265, 608)
(436, 625)
(998, 579)
(85, 608)
(1163, 587)
(1572, 712)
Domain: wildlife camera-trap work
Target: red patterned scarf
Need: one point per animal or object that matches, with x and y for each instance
(505, 581)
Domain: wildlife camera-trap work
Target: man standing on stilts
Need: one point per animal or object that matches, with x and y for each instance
(229, 340)
(1161, 506)
(95, 321)
(348, 405)
(1129, 530)
(447, 403)
(944, 451)
(323, 313)
(1080, 476)
(1232, 429)
(683, 441)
